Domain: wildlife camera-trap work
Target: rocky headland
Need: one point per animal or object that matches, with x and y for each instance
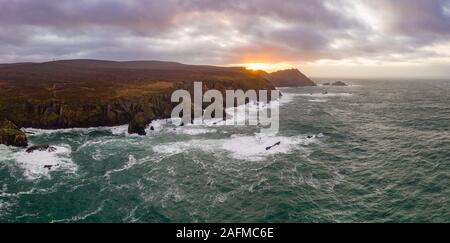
(92, 93)
(289, 78)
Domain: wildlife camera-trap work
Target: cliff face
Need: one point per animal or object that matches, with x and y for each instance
(87, 93)
(60, 113)
(289, 78)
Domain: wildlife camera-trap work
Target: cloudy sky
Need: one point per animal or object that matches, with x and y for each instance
(329, 38)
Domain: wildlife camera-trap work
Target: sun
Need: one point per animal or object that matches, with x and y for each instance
(268, 67)
(256, 66)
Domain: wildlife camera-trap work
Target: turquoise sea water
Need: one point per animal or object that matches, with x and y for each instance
(379, 152)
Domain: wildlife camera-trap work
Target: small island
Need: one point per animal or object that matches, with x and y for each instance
(337, 83)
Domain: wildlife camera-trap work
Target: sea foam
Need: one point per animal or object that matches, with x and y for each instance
(327, 95)
(33, 164)
(240, 147)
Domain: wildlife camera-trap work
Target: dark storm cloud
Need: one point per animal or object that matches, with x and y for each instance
(70, 13)
(219, 32)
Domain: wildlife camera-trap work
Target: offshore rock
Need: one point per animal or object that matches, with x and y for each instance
(41, 147)
(339, 83)
(138, 124)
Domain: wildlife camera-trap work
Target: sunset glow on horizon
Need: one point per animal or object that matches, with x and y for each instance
(268, 67)
(331, 38)
(257, 66)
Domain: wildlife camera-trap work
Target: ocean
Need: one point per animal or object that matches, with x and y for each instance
(375, 151)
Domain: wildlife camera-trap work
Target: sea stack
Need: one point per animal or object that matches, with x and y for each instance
(138, 124)
(11, 135)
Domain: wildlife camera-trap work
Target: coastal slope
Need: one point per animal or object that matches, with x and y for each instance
(91, 93)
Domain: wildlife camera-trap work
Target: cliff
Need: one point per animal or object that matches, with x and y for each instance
(289, 78)
(89, 93)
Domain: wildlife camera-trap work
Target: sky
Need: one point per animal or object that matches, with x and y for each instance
(329, 38)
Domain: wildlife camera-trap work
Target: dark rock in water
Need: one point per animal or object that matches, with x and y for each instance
(152, 128)
(138, 124)
(41, 147)
(49, 167)
(339, 83)
(11, 135)
(270, 147)
(309, 137)
(326, 84)
(51, 149)
(182, 124)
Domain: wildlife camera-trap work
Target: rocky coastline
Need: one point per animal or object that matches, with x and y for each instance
(81, 94)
